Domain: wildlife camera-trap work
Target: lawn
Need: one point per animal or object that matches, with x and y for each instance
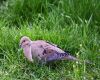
(74, 25)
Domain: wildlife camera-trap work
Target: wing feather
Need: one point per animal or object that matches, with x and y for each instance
(52, 55)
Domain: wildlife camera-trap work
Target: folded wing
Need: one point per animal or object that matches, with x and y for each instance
(52, 55)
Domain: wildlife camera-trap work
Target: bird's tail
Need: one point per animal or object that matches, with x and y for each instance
(63, 56)
(69, 57)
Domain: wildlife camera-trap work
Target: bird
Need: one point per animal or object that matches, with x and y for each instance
(43, 51)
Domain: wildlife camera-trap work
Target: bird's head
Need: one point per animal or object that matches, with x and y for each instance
(24, 41)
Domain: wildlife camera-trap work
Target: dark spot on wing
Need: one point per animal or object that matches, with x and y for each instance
(44, 52)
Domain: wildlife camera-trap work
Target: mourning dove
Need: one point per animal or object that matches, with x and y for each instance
(43, 50)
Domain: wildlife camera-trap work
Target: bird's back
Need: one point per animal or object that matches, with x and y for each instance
(38, 47)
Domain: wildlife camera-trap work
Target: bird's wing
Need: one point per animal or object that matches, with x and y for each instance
(52, 54)
(27, 52)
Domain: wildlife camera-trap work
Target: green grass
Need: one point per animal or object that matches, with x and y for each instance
(77, 39)
(74, 25)
(15, 12)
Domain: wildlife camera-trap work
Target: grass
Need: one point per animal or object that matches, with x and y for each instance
(81, 43)
(73, 28)
(18, 11)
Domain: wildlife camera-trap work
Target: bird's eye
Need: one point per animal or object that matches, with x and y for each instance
(24, 41)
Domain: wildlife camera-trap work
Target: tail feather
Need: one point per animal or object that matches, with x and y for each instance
(62, 56)
(69, 57)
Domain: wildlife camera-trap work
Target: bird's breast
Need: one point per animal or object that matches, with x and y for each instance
(37, 51)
